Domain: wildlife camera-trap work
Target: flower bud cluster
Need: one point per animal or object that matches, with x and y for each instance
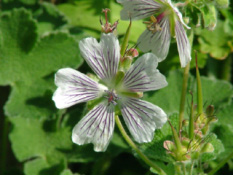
(202, 121)
(192, 148)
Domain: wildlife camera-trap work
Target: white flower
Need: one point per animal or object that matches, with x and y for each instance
(168, 22)
(141, 117)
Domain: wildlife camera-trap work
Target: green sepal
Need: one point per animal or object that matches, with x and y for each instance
(207, 148)
(91, 104)
(119, 78)
(133, 94)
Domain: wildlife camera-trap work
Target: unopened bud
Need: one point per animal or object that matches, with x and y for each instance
(169, 145)
(132, 52)
(185, 123)
(222, 3)
(208, 147)
(195, 155)
(210, 110)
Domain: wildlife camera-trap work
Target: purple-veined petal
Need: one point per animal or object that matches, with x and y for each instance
(142, 118)
(143, 75)
(102, 57)
(138, 9)
(158, 42)
(96, 127)
(75, 87)
(180, 16)
(183, 44)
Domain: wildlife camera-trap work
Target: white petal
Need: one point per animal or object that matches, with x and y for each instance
(102, 57)
(138, 9)
(158, 42)
(143, 75)
(183, 44)
(74, 87)
(180, 17)
(96, 127)
(142, 118)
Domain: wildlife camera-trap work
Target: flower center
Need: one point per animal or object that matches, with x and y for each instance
(111, 96)
(153, 24)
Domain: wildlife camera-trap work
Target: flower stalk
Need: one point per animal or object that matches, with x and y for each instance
(199, 90)
(134, 146)
(126, 40)
(176, 138)
(183, 95)
(191, 121)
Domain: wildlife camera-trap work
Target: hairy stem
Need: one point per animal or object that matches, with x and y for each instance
(184, 169)
(126, 40)
(191, 121)
(191, 168)
(199, 91)
(134, 146)
(183, 94)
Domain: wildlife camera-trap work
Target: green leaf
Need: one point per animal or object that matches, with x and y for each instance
(209, 16)
(155, 149)
(46, 145)
(43, 141)
(168, 98)
(40, 166)
(24, 59)
(218, 148)
(224, 133)
(216, 92)
(66, 172)
(49, 18)
(91, 21)
(223, 128)
(169, 168)
(33, 100)
(225, 116)
(216, 43)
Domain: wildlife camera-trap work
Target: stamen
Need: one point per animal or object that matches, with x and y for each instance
(112, 97)
(153, 24)
(105, 11)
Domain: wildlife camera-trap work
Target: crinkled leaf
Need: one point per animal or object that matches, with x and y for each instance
(217, 43)
(24, 59)
(40, 166)
(223, 128)
(48, 16)
(66, 172)
(31, 100)
(225, 116)
(46, 145)
(209, 16)
(216, 92)
(168, 98)
(169, 168)
(218, 148)
(39, 138)
(224, 133)
(155, 149)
